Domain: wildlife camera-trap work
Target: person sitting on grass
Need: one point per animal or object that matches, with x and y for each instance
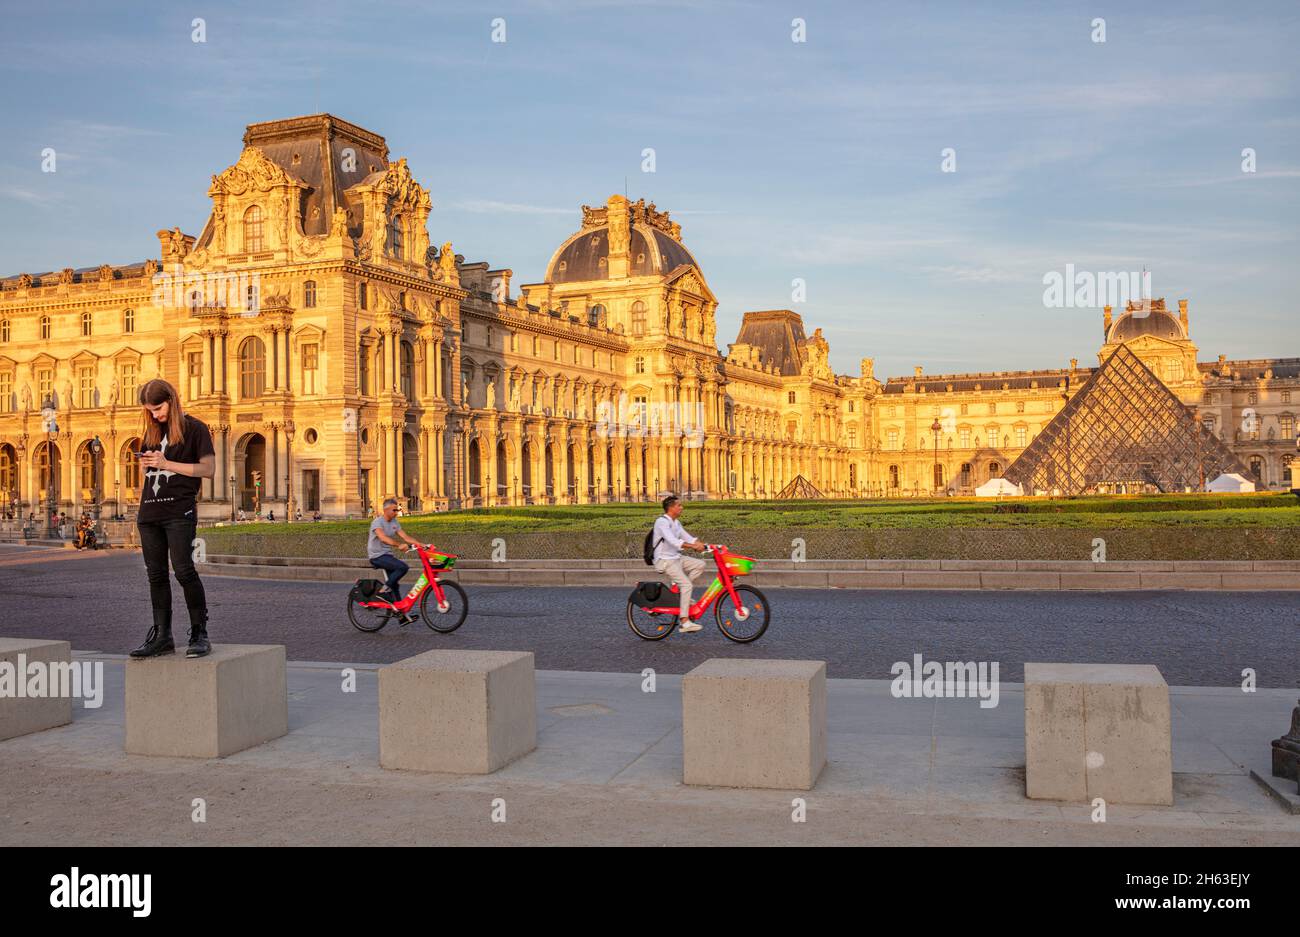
(384, 533)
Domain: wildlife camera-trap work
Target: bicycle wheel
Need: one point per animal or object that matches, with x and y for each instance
(756, 614)
(647, 625)
(366, 619)
(440, 620)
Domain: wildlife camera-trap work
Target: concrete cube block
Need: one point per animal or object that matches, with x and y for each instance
(209, 707)
(754, 723)
(1098, 730)
(464, 712)
(20, 713)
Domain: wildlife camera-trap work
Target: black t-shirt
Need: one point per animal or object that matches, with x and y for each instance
(168, 495)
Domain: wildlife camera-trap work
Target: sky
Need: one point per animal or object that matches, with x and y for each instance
(820, 161)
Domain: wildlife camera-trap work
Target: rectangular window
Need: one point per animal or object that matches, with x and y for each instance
(965, 439)
(85, 388)
(1288, 427)
(128, 396)
(44, 385)
(893, 439)
(993, 409)
(1020, 436)
(362, 296)
(310, 364)
(7, 392)
(194, 369)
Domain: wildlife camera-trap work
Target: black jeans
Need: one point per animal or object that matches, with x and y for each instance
(174, 538)
(395, 568)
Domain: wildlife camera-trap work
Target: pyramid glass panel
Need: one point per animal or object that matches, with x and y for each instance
(1123, 432)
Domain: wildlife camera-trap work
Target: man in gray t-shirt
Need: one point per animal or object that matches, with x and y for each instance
(385, 531)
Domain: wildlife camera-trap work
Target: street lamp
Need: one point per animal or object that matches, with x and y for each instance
(935, 428)
(288, 478)
(50, 424)
(96, 447)
(231, 489)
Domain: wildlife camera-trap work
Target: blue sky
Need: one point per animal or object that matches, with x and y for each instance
(819, 160)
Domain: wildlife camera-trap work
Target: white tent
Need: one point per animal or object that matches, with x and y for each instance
(1232, 482)
(998, 487)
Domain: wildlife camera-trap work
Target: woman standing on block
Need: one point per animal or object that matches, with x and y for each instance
(175, 456)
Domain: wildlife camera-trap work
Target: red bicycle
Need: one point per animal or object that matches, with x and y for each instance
(367, 612)
(741, 612)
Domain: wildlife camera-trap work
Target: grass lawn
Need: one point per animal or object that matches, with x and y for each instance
(1163, 511)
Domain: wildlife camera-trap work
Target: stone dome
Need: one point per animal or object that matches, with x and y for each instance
(1158, 323)
(652, 250)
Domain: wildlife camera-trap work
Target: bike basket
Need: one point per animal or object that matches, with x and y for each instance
(739, 565)
(647, 594)
(441, 560)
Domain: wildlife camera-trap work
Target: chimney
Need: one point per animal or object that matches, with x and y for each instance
(1182, 315)
(1105, 323)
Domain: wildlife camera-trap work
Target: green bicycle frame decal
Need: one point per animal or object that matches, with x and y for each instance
(418, 587)
(711, 593)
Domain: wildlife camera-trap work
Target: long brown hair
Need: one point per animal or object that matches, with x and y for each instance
(153, 393)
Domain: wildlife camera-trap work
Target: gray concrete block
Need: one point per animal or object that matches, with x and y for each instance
(1097, 730)
(754, 723)
(22, 714)
(209, 707)
(465, 712)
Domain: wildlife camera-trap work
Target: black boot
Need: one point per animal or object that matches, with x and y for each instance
(199, 643)
(159, 640)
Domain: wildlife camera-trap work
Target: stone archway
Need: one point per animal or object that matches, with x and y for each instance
(250, 457)
(503, 463)
(475, 475)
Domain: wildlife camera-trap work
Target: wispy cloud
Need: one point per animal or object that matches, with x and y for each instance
(490, 207)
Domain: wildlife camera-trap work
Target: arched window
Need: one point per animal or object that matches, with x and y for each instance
(938, 476)
(595, 315)
(309, 295)
(252, 368)
(1257, 468)
(45, 327)
(638, 319)
(893, 476)
(995, 470)
(130, 465)
(965, 474)
(87, 323)
(253, 230)
(396, 237)
(128, 320)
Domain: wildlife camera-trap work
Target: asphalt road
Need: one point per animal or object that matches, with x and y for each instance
(101, 602)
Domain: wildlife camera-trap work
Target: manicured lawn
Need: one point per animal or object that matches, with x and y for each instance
(1196, 511)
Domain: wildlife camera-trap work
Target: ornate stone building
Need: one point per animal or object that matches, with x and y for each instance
(339, 358)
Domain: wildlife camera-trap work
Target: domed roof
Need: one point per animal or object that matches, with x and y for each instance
(651, 249)
(1138, 322)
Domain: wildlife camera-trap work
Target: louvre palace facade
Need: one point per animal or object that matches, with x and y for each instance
(340, 357)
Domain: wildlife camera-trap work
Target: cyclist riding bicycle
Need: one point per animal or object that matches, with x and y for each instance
(669, 539)
(384, 533)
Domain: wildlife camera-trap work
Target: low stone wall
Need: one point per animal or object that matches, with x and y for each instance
(1157, 543)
